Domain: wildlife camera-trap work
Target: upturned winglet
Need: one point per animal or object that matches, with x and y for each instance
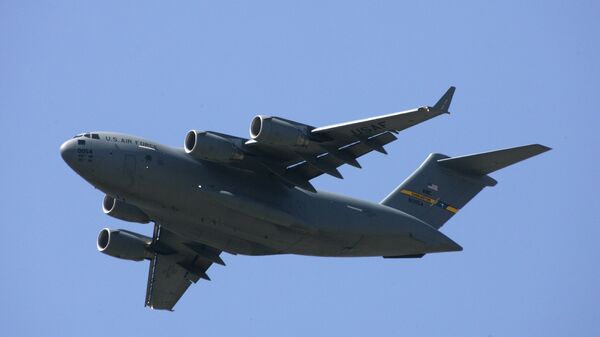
(444, 102)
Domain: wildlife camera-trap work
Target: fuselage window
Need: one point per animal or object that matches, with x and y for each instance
(81, 142)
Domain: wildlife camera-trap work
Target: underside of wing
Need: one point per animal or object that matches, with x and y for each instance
(394, 122)
(295, 153)
(175, 265)
(313, 166)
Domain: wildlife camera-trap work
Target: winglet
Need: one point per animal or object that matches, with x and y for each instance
(444, 103)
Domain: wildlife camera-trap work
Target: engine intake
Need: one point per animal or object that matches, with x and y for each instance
(279, 132)
(212, 147)
(122, 210)
(124, 244)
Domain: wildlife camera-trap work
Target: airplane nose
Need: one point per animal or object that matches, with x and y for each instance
(67, 151)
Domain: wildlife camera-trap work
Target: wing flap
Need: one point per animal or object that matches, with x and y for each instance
(337, 157)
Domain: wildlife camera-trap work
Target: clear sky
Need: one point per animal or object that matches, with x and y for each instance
(524, 72)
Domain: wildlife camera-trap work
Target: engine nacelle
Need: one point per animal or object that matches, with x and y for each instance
(122, 210)
(278, 132)
(212, 147)
(124, 244)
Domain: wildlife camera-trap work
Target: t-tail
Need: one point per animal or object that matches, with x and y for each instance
(441, 186)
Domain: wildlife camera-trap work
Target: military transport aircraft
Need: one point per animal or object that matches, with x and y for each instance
(222, 193)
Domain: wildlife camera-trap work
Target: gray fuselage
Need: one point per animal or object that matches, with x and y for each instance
(243, 211)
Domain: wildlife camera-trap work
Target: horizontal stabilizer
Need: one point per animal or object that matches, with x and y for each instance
(488, 162)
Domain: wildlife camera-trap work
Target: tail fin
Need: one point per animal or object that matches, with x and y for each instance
(443, 103)
(442, 185)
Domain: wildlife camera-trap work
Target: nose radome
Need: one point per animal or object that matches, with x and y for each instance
(67, 151)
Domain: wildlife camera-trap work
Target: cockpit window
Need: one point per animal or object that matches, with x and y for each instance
(88, 135)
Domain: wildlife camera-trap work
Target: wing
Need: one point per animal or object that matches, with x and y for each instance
(326, 148)
(394, 122)
(176, 264)
(295, 153)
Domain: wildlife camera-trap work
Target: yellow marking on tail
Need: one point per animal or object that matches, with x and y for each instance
(427, 199)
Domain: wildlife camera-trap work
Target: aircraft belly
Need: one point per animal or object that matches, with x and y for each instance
(257, 217)
(359, 228)
(225, 229)
(386, 246)
(214, 234)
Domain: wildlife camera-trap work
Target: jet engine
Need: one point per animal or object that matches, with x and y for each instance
(122, 210)
(124, 244)
(212, 147)
(279, 132)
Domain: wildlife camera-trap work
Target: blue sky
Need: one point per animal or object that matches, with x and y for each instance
(526, 72)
